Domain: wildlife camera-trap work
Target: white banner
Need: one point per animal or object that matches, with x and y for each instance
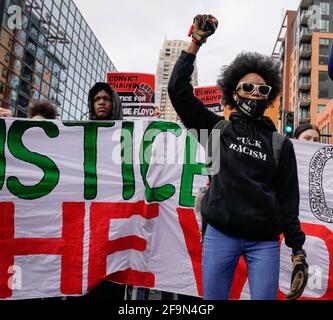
(84, 201)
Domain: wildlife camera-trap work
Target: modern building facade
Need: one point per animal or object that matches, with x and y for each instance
(167, 59)
(302, 46)
(48, 51)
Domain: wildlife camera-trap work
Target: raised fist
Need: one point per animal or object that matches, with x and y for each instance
(204, 25)
(144, 90)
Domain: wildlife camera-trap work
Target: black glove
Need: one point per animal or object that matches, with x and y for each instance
(299, 277)
(204, 25)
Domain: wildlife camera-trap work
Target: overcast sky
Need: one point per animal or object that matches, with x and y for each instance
(132, 32)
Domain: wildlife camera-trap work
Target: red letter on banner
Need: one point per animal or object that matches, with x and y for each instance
(70, 247)
(192, 237)
(101, 246)
(323, 233)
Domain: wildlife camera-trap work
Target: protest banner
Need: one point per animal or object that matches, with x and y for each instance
(211, 98)
(85, 201)
(136, 91)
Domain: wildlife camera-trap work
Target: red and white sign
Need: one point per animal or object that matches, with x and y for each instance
(211, 97)
(136, 91)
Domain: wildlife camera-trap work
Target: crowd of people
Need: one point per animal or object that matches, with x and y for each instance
(255, 199)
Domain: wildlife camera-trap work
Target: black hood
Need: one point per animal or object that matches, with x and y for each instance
(262, 121)
(249, 125)
(117, 111)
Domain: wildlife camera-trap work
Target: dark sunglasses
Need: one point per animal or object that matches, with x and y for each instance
(262, 89)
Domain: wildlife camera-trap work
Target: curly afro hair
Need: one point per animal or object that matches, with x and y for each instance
(245, 63)
(42, 108)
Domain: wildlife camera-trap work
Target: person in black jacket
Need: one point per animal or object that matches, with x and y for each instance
(251, 201)
(104, 104)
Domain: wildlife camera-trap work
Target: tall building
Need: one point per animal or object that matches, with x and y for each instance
(48, 51)
(302, 47)
(168, 57)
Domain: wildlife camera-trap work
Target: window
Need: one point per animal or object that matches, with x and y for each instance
(25, 23)
(13, 96)
(21, 36)
(321, 107)
(323, 85)
(324, 26)
(305, 113)
(18, 50)
(14, 81)
(40, 54)
(26, 74)
(31, 47)
(7, 57)
(25, 88)
(34, 33)
(56, 69)
(324, 45)
(55, 12)
(54, 82)
(38, 68)
(325, 8)
(45, 88)
(41, 39)
(5, 72)
(2, 87)
(36, 81)
(29, 60)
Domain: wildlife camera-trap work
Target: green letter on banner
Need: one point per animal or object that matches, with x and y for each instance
(165, 192)
(190, 169)
(19, 151)
(2, 152)
(90, 154)
(127, 167)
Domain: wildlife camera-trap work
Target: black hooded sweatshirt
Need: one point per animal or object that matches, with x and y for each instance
(106, 289)
(117, 111)
(250, 198)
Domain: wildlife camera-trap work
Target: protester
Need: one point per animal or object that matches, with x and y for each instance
(5, 113)
(104, 104)
(40, 110)
(251, 200)
(307, 132)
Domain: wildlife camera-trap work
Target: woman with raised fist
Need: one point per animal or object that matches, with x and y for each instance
(254, 196)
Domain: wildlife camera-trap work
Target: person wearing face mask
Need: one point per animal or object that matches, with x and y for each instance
(252, 199)
(307, 132)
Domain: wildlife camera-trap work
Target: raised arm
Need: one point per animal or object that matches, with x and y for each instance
(190, 109)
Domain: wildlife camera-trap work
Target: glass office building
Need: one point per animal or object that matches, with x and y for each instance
(47, 51)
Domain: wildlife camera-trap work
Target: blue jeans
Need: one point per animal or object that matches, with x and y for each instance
(219, 260)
